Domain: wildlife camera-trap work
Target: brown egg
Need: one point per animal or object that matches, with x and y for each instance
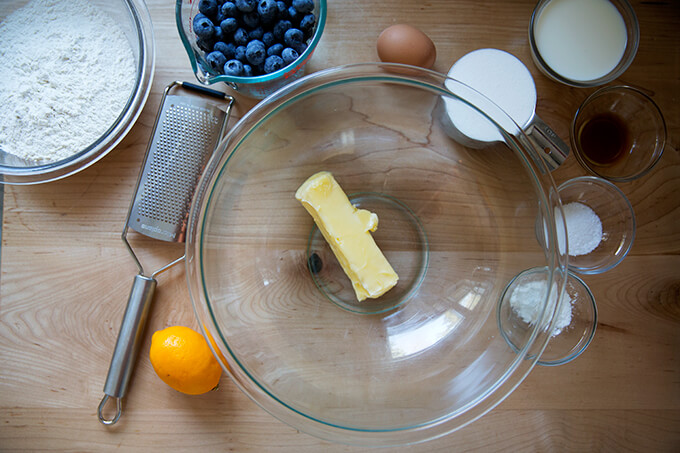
(405, 44)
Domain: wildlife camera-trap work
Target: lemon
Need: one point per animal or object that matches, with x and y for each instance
(182, 359)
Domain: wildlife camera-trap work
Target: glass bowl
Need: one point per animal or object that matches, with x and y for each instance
(573, 327)
(132, 16)
(255, 87)
(626, 130)
(615, 214)
(632, 42)
(455, 223)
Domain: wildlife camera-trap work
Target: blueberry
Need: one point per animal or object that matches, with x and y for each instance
(233, 68)
(275, 49)
(293, 37)
(247, 70)
(300, 48)
(208, 7)
(251, 20)
(229, 25)
(272, 64)
(280, 28)
(255, 52)
(204, 28)
(216, 60)
(268, 39)
(197, 18)
(303, 6)
(246, 6)
(267, 10)
(289, 55)
(307, 23)
(228, 9)
(281, 9)
(315, 264)
(256, 33)
(227, 49)
(241, 37)
(218, 35)
(240, 54)
(293, 15)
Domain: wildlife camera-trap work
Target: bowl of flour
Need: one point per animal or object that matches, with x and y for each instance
(74, 77)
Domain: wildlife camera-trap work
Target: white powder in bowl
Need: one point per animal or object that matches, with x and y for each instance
(584, 228)
(526, 300)
(501, 77)
(66, 73)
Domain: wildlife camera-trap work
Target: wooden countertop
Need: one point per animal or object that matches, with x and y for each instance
(66, 275)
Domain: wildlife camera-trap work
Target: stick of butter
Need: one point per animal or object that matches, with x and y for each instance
(348, 232)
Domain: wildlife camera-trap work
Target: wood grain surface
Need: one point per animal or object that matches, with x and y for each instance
(65, 276)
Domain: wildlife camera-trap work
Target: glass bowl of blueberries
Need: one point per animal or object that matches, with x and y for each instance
(254, 46)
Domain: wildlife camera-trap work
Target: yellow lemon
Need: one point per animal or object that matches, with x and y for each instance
(182, 359)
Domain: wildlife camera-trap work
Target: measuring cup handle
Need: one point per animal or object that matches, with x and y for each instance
(553, 150)
(129, 339)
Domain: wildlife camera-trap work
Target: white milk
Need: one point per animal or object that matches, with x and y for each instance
(502, 78)
(581, 39)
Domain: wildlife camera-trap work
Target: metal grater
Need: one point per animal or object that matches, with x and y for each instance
(186, 132)
(187, 127)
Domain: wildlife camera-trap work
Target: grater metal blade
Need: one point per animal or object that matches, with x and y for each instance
(185, 134)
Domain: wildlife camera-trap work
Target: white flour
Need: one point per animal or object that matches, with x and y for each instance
(66, 73)
(527, 300)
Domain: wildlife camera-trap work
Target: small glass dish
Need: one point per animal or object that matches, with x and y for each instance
(257, 87)
(581, 21)
(618, 133)
(618, 222)
(571, 334)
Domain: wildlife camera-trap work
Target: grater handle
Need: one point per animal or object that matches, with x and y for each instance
(127, 345)
(204, 90)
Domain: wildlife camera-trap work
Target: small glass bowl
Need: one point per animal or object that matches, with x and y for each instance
(617, 217)
(634, 119)
(257, 87)
(632, 43)
(566, 343)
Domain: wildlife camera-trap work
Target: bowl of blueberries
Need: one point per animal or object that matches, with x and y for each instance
(254, 46)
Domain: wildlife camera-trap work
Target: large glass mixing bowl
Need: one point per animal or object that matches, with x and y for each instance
(456, 224)
(134, 20)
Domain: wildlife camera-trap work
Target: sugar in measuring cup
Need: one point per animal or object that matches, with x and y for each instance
(506, 81)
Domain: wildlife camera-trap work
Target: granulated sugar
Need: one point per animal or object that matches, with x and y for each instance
(584, 228)
(66, 73)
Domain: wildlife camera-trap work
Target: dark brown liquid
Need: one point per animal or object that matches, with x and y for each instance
(604, 139)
